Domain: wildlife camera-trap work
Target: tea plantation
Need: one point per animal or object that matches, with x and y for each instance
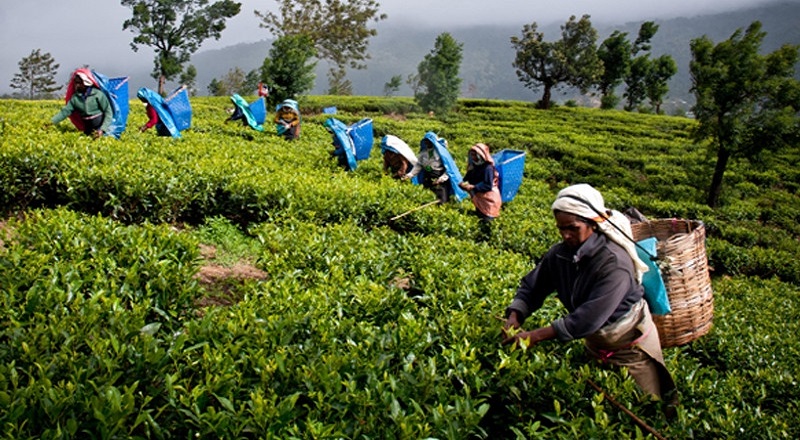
(348, 324)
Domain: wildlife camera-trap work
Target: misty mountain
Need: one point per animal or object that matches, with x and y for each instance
(486, 70)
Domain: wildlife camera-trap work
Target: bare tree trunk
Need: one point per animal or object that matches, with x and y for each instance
(714, 191)
(544, 103)
(161, 82)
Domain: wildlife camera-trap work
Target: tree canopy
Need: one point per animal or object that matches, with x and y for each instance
(338, 30)
(571, 61)
(615, 54)
(36, 76)
(747, 103)
(175, 29)
(288, 69)
(438, 75)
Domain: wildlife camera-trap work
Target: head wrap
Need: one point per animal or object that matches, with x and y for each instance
(393, 143)
(84, 79)
(584, 201)
(482, 150)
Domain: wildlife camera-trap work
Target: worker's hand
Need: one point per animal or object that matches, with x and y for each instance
(404, 177)
(510, 327)
(440, 180)
(531, 338)
(143, 128)
(518, 338)
(98, 134)
(466, 186)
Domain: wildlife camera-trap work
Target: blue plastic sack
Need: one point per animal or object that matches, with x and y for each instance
(343, 143)
(510, 165)
(362, 135)
(117, 91)
(655, 292)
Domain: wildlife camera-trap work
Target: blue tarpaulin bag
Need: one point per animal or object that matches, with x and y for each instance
(510, 165)
(180, 107)
(362, 135)
(655, 292)
(345, 149)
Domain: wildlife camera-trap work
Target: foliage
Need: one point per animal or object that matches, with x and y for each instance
(635, 81)
(217, 88)
(175, 29)
(393, 85)
(746, 102)
(660, 72)
(614, 52)
(438, 75)
(338, 29)
(36, 76)
(235, 81)
(571, 61)
(189, 79)
(364, 327)
(288, 70)
(339, 84)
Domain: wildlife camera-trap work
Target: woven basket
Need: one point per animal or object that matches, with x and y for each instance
(682, 255)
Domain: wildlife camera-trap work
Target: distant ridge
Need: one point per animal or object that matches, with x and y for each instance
(486, 70)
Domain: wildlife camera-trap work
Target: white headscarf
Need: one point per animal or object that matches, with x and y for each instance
(584, 201)
(392, 142)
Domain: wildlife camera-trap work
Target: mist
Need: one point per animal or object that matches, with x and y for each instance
(89, 32)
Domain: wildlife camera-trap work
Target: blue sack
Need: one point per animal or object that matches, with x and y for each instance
(655, 292)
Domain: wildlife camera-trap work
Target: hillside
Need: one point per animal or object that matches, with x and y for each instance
(486, 69)
(348, 322)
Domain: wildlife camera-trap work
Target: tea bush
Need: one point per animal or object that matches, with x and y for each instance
(365, 327)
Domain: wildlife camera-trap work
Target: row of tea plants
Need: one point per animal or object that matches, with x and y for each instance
(364, 326)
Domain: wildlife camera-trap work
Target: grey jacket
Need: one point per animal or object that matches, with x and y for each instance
(595, 282)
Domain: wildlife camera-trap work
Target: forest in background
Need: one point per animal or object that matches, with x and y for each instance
(486, 69)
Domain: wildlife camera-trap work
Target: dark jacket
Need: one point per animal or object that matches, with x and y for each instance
(482, 176)
(596, 283)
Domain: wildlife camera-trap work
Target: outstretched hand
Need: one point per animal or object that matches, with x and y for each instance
(530, 338)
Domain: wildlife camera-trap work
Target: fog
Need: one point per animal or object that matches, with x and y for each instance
(89, 32)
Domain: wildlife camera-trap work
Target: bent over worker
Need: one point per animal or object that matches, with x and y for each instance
(596, 273)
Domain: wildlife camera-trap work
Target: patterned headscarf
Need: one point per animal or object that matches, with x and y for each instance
(584, 201)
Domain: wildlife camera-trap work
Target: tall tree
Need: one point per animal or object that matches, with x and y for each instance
(636, 90)
(571, 61)
(615, 53)
(640, 67)
(746, 102)
(438, 75)
(338, 30)
(393, 85)
(235, 81)
(175, 29)
(288, 70)
(189, 79)
(646, 33)
(217, 88)
(655, 83)
(36, 76)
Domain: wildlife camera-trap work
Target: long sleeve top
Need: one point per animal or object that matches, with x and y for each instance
(429, 161)
(90, 103)
(152, 117)
(595, 282)
(482, 176)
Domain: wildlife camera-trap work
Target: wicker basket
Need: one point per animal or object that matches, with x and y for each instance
(682, 254)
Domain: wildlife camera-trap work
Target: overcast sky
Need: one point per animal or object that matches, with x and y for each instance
(81, 32)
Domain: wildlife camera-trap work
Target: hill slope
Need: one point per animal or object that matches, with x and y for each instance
(486, 69)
